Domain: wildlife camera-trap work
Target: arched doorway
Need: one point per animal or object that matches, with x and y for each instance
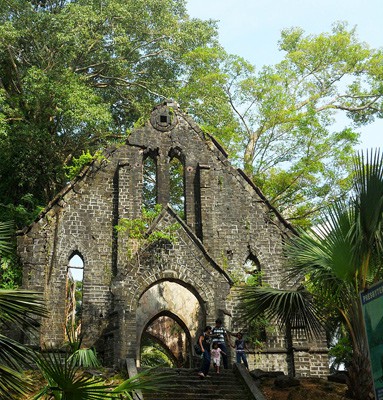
(165, 340)
(169, 316)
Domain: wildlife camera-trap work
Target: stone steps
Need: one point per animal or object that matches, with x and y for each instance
(186, 384)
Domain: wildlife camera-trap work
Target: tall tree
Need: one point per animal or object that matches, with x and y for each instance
(77, 74)
(285, 134)
(337, 260)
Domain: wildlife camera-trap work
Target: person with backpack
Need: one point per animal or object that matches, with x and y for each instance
(204, 343)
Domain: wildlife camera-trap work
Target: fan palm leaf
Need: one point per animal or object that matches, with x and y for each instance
(17, 305)
(12, 383)
(368, 204)
(337, 260)
(13, 354)
(295, 308)
(6, 233)
(66, 382)
(149, 380)
(86, 358)
(17, 308)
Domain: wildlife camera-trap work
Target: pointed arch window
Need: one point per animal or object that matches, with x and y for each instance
(74, 296)
(252, 268)
(149, 182)
(177, 185)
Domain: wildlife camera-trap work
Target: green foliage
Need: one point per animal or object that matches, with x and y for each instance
(336, 261)
(257, 331)
(85, 358)
(71, 171)
(19, 309)
(74, 78)
(6, 232)
(10, 273)
(177, 190)
(149, 184)
(294, 308)
(148, 380)
(23, 213)
(67, 381)
(341, 353)
(286, 113)
(255, 279)
(137, 228)
(154, 356)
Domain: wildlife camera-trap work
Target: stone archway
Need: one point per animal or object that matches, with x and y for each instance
(172, 335)
(170, 313)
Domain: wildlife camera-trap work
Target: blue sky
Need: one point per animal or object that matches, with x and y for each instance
(251, 29)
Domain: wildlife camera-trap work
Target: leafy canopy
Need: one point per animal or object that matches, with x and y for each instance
(76, 75)
(285, 134)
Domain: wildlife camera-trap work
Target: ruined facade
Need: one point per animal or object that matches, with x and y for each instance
(168, 289)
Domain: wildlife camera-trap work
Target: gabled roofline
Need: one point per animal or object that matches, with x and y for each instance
(223, 153)
(264, 199)
(169, 210)
(204, 136)
(66, 189)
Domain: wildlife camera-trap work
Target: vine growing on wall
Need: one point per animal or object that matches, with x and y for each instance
(137, 231)
(77, 164)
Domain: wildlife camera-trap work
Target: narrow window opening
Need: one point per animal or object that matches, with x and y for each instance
(253, 270)
(257, 329)
(149, 189)
(177, 186)
(74, 300)
(164, 118)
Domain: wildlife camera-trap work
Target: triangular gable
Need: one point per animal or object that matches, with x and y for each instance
(168, 210)
(211, 143)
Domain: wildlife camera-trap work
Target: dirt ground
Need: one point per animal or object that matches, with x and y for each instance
(309, 389)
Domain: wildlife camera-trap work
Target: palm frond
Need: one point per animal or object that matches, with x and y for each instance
(66, 380)
(368, 204)
(18, 306)
(13, 354)
(6, 233)
(12, 383)
(325, 251)
(148, 380)
(295, 308)
(86, 358)
(368, 198)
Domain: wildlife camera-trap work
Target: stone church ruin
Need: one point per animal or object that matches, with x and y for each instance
(215, 228)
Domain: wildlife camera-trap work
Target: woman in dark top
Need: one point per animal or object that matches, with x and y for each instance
(240, 347)
(204, 342)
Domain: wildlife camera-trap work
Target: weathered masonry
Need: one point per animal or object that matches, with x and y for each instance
(222, 230)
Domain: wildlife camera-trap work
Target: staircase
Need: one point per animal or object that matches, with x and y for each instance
(185, 384)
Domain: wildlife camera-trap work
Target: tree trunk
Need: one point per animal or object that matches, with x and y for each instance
(360, 385)
(290, 351)
(360, 382)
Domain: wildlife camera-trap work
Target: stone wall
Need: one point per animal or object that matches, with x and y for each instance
(227, 221)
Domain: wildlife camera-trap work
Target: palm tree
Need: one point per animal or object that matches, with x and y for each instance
(16, 309)
(67, 381)
(335, 261)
